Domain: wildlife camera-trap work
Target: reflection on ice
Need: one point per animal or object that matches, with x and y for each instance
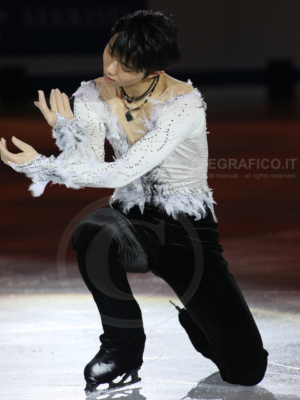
(48, 337)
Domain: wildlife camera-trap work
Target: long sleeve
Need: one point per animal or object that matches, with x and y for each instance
(176, 121)
(84, 135)
(80, 139)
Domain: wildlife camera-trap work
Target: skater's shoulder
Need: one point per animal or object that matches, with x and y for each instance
(178, 84)
(176, 88)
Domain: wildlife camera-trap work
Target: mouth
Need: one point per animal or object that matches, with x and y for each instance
(107, 78)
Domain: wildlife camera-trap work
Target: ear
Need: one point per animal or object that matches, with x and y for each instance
(154, 74)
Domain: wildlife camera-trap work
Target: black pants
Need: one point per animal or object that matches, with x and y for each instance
(188, 256)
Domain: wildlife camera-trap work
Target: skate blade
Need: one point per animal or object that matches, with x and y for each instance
(90, 389)
(134, 379)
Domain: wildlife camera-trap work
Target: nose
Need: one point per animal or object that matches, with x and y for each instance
(112, 68)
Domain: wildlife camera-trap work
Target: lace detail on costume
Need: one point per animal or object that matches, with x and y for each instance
(133, 193)
(76, 149)
(150, 123)
(149, 187)
(172, 201)
(185, 200)
(114, 131)
(175, 143)
(67, 172)
(68, 134)
(42, 170)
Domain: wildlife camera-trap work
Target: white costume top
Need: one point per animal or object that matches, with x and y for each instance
(167, 165)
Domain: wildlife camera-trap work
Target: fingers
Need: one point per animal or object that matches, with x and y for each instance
(63, 104)
(19, 158)
(5, 154)
(59, 102)
(42, 105)
(3, 144)
(21, 145)
(66, 103)
(53, 103)
(3, 141)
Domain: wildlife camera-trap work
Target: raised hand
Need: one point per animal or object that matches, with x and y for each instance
(58, 102)
(27, 154)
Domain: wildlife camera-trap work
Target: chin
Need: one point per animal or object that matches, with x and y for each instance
(114, 84)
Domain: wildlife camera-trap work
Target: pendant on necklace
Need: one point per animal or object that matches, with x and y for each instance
(129, 116)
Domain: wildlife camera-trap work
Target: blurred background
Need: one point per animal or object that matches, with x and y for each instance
(245, 60)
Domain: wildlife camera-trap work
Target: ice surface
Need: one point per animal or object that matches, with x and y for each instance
(48, 338)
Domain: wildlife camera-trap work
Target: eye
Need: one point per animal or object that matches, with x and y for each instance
(125, 69)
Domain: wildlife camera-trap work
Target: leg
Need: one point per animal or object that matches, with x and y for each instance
(113, 311)
(105, 244)
(218, 308)
(196, 335)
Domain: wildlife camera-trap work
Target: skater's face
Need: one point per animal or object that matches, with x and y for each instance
(122, 75)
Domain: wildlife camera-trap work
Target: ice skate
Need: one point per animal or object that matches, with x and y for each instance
(115, 358)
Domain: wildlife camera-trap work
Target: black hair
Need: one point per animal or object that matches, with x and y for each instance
(146, 40)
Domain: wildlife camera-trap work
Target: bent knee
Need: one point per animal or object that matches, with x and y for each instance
(81, 236)
(90, 226)
(250, 373)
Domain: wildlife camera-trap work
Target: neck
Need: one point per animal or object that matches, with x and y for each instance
(139, 88)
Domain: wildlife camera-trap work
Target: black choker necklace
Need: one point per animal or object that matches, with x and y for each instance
(131, 99)
(128, 115)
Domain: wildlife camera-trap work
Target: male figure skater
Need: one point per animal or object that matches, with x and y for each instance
(157, 127)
